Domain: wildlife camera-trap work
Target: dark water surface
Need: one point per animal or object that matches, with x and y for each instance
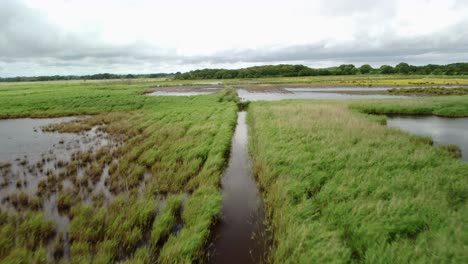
(240, 235)
(443, 130)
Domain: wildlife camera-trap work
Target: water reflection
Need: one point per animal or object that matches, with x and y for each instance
(443, 130)
(302, 93)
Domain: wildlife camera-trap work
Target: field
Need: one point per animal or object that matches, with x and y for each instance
(164, 172)
(338, 186)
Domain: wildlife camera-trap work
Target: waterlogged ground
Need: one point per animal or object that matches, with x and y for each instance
(29, 155)
(163, 165)
(337, 187)
(275, 94)
(302, 93)
(442, 130)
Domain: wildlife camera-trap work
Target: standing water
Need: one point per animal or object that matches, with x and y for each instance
(443, 130)
(240, 235)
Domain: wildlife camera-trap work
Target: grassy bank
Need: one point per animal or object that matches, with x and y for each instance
(429, 91)
(56, 98)
(164, 173)
(339, 188)
(450, 106)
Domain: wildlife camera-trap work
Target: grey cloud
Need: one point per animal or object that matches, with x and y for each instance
(453, 40)
(30, 45)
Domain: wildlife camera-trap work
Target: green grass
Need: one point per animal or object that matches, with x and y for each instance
(24, 237)
(59, 98)
(450, 106)
(429, 91)
(181, 143)
(166, 220)
(339, 188)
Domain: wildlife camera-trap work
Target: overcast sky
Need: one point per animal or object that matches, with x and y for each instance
(48, 37)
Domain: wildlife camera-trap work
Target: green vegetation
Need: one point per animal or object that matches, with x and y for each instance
(339, 188)
(430, 91)
(100, 76)
(450, 106)
(166, 220)
(165, 146)
(282, 70)
(285, 70)
(24, 237)
(61, 98)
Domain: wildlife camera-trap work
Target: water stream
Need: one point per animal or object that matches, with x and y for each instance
(240, 234)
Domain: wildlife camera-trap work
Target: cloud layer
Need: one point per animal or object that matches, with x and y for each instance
(51, 37)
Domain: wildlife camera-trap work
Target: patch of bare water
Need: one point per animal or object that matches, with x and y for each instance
(305, 93)
(443, 130)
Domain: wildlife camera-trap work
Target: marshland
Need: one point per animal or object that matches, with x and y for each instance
(368, 169)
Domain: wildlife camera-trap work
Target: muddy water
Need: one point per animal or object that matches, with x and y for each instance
(240, 235)
(27, 154)
(442, 130)
(306, 93)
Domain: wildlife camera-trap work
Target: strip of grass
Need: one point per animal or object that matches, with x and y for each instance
(450, 106)
(429, 91)
(339, 188)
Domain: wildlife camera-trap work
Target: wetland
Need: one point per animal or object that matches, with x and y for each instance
(232, 171)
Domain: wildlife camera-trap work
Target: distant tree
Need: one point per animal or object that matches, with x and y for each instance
(402, 68)
(365, 69)
(346, 69)
(386, 69)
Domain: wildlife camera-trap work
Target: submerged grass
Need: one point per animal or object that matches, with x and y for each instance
(339, 188)
(166, 147)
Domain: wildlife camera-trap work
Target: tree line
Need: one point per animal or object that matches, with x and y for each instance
(285, 70)
(282, 70)
(100, 76)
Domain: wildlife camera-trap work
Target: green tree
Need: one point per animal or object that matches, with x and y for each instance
(386, 69)
(365, 69)
(402, 68)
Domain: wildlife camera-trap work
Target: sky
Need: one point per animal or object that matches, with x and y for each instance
(77, 37)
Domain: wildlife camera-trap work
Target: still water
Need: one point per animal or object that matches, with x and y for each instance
(240, 234)
(443, 130)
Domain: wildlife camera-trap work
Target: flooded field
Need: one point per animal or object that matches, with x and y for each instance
(35, 168)
(240, 234)
(442, 130)
(275, 94)
(305, 93)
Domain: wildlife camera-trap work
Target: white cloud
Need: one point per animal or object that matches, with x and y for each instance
(87, 36)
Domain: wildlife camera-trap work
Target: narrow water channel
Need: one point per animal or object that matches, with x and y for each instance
(240, 235)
